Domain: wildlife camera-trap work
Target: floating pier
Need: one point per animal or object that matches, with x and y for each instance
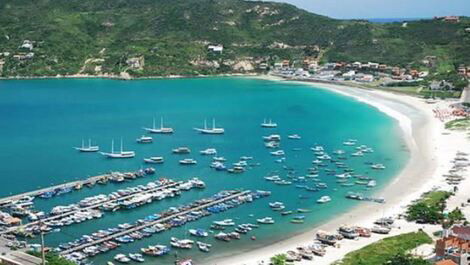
(162, 220)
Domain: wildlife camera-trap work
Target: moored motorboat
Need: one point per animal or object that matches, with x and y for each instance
(188, 161)
(154, 160)
(265, 220)
(324, 199)
(181, 150)
(144, 139)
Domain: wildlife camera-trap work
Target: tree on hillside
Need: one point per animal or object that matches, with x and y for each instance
(280, 259)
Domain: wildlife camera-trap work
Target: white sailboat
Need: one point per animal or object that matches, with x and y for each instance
(162, 129)
(214, 130)
(269, 124)
(88, 148)
(120, 154)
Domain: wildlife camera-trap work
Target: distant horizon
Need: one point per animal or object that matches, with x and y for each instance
(383, 9)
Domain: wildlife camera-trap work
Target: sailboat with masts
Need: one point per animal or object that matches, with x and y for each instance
(162, 129)
(120, 154)
(89, 148)
(268, 124)
(213, 130)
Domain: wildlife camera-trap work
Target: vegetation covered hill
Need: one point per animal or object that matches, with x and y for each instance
(161, 37)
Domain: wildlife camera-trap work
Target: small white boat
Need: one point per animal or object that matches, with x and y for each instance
(278, 153)
(268, 124)
(219, 158)
(226, 222)
(89, 148)
(214, 129)
(120, 154)
(377, 166)
(324, 199)
(144, 139)
(265, 220)
(208, 151)
(188, 161)
(198, 232)
(154, 160)
(122, 258)
(181, 150)
(272, 137)
(294, 137)
(204, 247)
(272, 144)
(273, 178)
(136, 257)
(350, 142)
(161, 130)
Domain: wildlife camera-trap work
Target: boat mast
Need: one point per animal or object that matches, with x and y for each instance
(205, 124)
(121, 145)
(83, 143)
(112, 146)
(161, 123)
(213, 124)
(154, 123)
(89, 143)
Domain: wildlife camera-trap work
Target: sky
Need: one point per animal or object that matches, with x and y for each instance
(346, 9)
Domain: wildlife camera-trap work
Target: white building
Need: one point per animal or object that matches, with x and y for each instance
(216, 48)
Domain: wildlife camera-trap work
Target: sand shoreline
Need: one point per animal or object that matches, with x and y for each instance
(428, 161)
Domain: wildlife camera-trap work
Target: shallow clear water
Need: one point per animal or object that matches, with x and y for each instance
(41, 120)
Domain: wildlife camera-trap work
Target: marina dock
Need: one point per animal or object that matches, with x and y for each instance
(72, 184)
(91, 207)
(149, 224)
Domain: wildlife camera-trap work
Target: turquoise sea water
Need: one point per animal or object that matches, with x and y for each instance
(41, 120)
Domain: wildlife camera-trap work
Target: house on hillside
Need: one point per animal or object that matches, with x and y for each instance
(441, 85)
(357, 65)
(349, 75)
(452, 19)
(218, 48)
(27, 45)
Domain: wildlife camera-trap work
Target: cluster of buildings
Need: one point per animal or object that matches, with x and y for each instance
(343, 71)
(454, 247)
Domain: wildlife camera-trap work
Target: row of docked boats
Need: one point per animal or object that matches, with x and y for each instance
(173, 217)
(92, 207)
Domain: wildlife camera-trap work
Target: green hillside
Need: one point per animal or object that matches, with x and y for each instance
(171, 37)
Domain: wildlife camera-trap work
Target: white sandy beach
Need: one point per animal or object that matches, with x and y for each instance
(431, 150)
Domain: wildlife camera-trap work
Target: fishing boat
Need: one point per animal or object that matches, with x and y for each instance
(381, 229)
(299, 219)
(223, 237)
(89, 148)
(287, 212)
(219, 166)
(268, 124)
(348, 232)
(294, 137)
(156, 250)
(350, 142)
(326, 238)
(277, 206)
(303, 210)
(204, 247)
(154, 160)
(236, 170)
(208, 151)
(136, 257)
(282, 182)
(122, 258)
(214, 129)
(181, 243)
(188, 161)
(226, 222)
(265, 220)
(161, 130)
(181, 150)
(273, 178)
(198, 232)
(144, 139)
(120, 154)
(324, 199)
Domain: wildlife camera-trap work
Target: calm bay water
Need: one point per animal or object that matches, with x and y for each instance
(41, 120)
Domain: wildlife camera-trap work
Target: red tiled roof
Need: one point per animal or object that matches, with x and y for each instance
(445, 262)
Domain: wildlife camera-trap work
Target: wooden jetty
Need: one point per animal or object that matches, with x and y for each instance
(162, 220)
